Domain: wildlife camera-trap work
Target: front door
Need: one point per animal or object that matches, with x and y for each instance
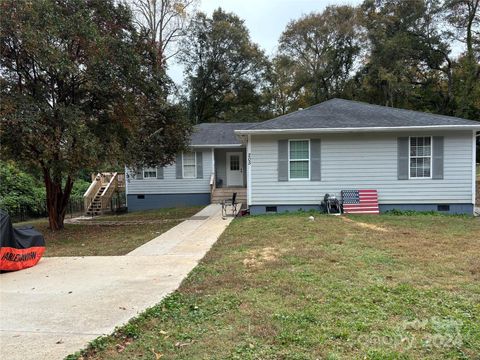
(234, 169)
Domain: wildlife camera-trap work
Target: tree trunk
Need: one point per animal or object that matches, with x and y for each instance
(472, 11)
(57, 199)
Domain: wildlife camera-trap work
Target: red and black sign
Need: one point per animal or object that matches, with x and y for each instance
(20, 248)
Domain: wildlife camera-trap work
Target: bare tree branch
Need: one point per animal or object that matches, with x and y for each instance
(164, 21)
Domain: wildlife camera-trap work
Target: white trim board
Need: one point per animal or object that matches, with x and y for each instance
(195, 164)
(249, 170)
(309, 161)
(357, 129)
(217, 146)
(474, 168)
(410, 158)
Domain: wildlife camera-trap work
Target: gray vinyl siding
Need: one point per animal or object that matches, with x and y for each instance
(363, 161)
(170, 184)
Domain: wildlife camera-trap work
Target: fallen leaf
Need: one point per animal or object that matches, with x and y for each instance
(179, 344)
(157, 355)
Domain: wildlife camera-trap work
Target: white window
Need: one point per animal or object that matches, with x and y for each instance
(420, 157)
(299, 159)
(189, 165)
(149, 173)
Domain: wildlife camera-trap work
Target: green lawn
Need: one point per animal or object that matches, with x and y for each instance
(282, 287)
(109, 239)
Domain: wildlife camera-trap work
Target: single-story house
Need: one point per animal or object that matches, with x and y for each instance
(415, 160)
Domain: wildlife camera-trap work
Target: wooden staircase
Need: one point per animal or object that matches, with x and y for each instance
(95, 207)
(220, 194)
(98, 197)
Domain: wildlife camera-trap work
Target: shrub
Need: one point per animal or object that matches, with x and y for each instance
(79, 188)
(20, 191)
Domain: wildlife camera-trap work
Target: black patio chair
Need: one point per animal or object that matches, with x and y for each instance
(230, 203)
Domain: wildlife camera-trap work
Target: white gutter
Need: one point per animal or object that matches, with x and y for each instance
(355, 129)
(218, 146)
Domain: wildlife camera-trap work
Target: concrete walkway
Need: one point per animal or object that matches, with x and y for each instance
(56, 308)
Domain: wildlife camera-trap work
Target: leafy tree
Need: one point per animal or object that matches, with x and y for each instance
(20, 191)
(78, 90)
(464, 18)
(467, 88)
(282, 92)
(223, 69)
(79, 188)
(410, 63)
(324, 47)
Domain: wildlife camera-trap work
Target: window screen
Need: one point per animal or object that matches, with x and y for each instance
(420, 157)
(299, 159)
(189, 165)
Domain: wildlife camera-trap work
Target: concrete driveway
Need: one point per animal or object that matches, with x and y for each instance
(56, 308)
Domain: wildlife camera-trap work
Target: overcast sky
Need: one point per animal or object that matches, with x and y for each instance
(266, 19)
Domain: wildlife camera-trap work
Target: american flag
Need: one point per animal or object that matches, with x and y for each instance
(360, 201)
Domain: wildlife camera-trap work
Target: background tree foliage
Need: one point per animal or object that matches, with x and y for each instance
(224, 70)
(20, 190)
(80, 88)
(282, 92)
(417, 54)
(323, 48)
(407, 55)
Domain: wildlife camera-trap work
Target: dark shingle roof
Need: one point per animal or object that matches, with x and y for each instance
(217, 133)
(339, 113)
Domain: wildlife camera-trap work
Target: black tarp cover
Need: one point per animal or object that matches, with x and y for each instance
(20, 248)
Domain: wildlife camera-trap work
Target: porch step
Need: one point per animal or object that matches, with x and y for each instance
(112, 183)
(221, 194)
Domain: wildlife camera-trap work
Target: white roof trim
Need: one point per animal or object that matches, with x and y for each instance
(218, 146)
(357, 129)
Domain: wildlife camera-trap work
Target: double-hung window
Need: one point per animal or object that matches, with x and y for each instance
(150, 173)
(420, 157)
(189, 165)
(299, 159)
